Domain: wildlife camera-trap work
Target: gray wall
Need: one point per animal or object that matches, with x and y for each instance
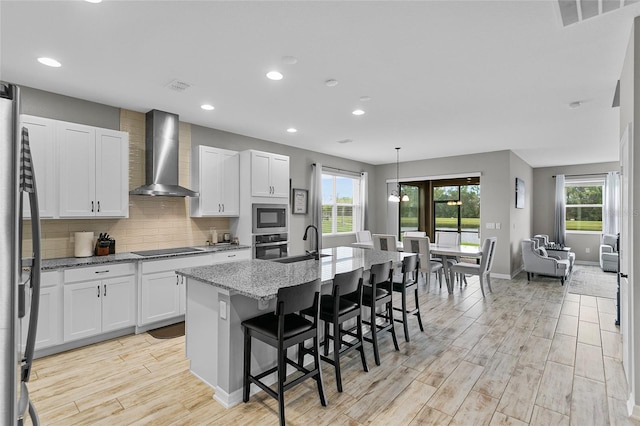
(520, 219)
(59, 107)
(544, 200)
(496, 198)
(300, 168)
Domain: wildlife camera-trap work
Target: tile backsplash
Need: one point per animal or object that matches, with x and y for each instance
(153, 222)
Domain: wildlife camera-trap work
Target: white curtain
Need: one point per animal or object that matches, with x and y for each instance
(560, 211)
(364, 201)
(316, 204)
(611, 204)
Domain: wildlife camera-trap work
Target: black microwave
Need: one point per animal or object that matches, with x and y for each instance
(270, 218)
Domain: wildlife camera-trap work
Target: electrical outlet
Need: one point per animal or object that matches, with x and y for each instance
(498, 225)
(588, 250)
(223, 310)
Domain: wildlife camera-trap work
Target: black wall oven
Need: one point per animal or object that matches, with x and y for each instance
(270, 218)
(270, 246)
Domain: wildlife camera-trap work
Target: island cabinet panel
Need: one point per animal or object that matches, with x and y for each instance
(98, 299)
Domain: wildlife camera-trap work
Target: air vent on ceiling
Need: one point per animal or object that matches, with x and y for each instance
(178, 85)
(574, 11)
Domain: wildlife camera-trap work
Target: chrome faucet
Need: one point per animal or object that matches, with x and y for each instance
(315, 252)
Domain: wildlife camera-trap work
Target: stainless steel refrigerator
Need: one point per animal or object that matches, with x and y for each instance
(17, 181)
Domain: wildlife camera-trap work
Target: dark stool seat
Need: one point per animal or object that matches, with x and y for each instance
(284, 329)
(409, 281)
(380, 279)
(336, 309)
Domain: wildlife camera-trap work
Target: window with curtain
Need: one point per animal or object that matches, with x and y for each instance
(341, 203)
(584, 205)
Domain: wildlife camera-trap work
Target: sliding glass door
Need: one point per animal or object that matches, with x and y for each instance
(457, 209)
(409, 210)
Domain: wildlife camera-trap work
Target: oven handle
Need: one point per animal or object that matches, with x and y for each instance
(277, 243)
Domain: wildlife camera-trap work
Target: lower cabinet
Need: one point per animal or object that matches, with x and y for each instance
(98, 300)
(49, 329)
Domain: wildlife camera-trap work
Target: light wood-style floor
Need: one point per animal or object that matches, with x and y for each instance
(526, 354)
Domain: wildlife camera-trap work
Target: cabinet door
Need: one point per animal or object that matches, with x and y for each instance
(82, 310)
(76, 147)
(210, 202)
(112, 173)
(43, 155)
(279, 173)
(118, 303)
(48, 330)
(230, 183)
(260, 184)
(160, 297)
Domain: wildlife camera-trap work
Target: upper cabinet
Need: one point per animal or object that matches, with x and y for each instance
(94, 171)
(215, 174)
(269, 175)
(43, 155)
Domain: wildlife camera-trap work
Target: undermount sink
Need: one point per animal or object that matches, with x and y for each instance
(177, 250)
(299, 258)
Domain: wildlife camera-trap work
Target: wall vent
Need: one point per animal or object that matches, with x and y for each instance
(574, 11)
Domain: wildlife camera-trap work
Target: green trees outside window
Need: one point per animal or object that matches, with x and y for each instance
(583, 206)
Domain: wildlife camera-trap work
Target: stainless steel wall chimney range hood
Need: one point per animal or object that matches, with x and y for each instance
(161, 157)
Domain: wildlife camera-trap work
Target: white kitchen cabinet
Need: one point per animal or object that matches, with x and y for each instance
(98, 299)
(43, 155)
(269, 175)
(163, 293)
(93, 171)
(49, 329)
(216, 176)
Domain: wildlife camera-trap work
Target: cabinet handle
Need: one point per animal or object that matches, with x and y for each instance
(98, 290)
(102, 272)
(219, 208)
(177, 279)
(223, 208)
(623, 275)
(231, 255)
(105, 290)
(92, 207)
(98, 206)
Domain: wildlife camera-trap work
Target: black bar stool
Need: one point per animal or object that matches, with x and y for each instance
(409, 280)
(343, 304)
(282, 330)
(375, 295)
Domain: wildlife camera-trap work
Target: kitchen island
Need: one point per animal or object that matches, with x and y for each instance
(220, 297)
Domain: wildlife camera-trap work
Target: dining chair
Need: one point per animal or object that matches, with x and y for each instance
(483, 270)
(363, 236)
(420, 245)
(281, 330)
(385, 242)
(447, 238)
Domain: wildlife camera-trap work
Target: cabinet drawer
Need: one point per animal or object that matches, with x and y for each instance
(172, 264)
(231, 255)
(99, 272)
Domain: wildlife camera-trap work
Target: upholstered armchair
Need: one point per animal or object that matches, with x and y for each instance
(536, 261)
(609, 253)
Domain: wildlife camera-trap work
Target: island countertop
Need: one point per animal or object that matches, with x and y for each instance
(261, 279)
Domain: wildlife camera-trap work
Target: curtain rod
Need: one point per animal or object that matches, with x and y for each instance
(584, 174)
(339, 170)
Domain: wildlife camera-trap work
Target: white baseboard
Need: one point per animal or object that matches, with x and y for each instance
(632, 408)
(501, 276)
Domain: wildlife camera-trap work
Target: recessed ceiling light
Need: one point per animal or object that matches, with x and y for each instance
(575, 104)
(346, 141)
(365, 98)
(331, 82)
(207, 107)
(50, 62)
(274, 75)
(289, 60)
(292, 130)
(357, 112)
(93, 1)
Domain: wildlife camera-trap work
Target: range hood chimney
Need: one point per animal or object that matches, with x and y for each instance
(161, 157)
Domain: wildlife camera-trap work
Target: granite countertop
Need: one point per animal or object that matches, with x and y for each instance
(261, 279)
(74, 262)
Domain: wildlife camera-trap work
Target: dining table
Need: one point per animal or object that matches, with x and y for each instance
(445, 251)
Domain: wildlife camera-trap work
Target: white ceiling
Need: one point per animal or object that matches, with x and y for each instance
(445, 77)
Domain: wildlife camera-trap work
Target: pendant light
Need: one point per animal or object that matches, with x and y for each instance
(395, 195)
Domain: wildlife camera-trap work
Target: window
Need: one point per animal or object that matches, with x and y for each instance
(409, 210)
(340, 203)
(457, 209)
(584, 205)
